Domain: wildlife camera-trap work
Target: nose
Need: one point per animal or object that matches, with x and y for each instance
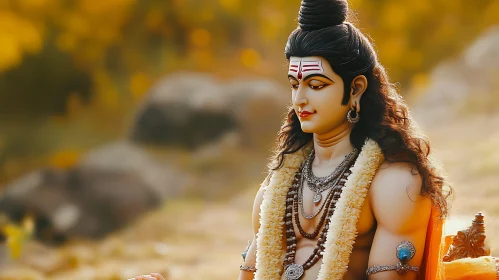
(300, 97)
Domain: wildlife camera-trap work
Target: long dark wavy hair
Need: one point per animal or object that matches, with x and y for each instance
(384, 117)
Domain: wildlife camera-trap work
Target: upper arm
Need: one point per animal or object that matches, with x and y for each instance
(251, 254)
(402, 214)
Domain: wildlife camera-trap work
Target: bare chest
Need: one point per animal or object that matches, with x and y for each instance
(309, 228)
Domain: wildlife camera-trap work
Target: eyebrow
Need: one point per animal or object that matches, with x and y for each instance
(311, 76)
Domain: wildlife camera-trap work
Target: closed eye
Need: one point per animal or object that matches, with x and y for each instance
(317, 87)
(295, 86)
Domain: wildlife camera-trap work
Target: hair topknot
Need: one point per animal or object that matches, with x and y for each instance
(318, 14)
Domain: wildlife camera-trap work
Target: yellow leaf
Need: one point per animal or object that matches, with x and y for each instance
(250, 58)
(17, 235)
(395, 16)
(65, 159)
(15, 240)
(229, 5)
(10, 52)
(30, 37)
(200, 37)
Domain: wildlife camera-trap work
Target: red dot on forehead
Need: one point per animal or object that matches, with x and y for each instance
(299, 71)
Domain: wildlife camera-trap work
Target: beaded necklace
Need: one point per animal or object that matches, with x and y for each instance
(295, 271)
(341, 234)
(320, 184)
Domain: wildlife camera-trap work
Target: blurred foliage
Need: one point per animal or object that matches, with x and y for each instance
(412, 37)
(72, 70)
(17, 235)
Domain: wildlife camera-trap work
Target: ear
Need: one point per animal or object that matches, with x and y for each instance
(357, 88)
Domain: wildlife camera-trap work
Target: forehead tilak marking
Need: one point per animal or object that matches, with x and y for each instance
(299, 66)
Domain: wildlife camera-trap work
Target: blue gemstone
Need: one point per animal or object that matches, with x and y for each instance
(404, 254)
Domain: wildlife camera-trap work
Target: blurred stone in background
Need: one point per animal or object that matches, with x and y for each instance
(192, 109)
(465, 86)
(162, 179)
(80, 202)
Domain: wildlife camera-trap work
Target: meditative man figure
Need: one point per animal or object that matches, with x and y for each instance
(352, 192)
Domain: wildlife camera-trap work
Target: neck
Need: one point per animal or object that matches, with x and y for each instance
(333, 144)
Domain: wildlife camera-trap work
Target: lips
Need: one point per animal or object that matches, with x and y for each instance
(304, 114)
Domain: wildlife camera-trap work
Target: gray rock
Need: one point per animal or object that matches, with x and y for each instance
(163, 178)
(110, 187)
(192, 109)
(84, 202)
(464, 85)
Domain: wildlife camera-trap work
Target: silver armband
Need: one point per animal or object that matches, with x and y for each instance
(400, 268)
(405, 252)
(247, 268)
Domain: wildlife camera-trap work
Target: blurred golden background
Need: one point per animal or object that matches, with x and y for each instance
(134, 134)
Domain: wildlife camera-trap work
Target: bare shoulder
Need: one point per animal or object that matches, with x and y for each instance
(397, 177)
(396, 200)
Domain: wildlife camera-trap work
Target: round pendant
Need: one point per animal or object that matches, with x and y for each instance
(405, 251)
(294, 272)
(317, 197)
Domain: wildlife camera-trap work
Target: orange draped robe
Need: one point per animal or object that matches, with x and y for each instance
(432, 266)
